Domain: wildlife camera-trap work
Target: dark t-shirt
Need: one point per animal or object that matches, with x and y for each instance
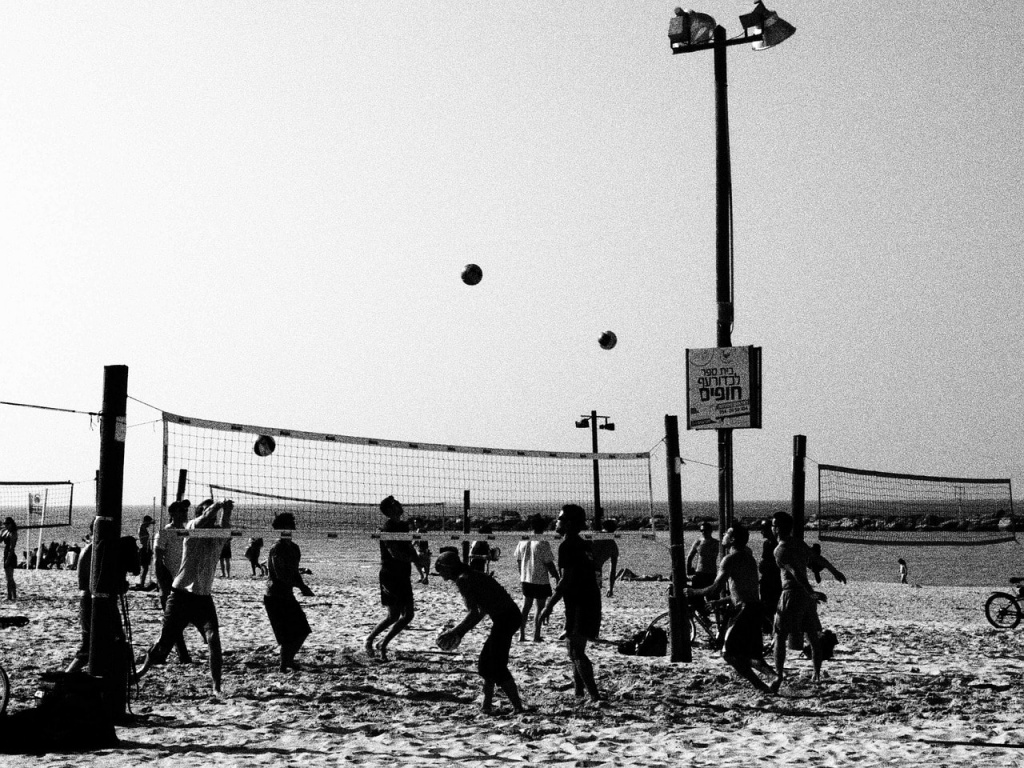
(390, 565)
(484, 593)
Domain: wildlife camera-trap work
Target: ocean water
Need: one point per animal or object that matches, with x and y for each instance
(987, 565)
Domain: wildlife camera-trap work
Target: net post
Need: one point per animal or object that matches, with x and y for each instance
(678, 617)
(465, 525)
(106, 623)
(799, 484)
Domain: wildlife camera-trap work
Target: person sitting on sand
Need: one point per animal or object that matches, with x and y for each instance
(536, 569)
(396, 559)
(742, 648)
(191, 598)
(578, 587)
(287, 618)
(485, 597)
(797, 613)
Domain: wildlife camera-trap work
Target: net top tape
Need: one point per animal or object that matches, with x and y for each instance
(897, 476)
(440, 447)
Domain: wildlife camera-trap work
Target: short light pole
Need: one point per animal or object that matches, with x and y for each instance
(689, 31)
(592, 422)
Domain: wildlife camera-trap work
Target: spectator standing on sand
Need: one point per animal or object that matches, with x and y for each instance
(536, 567)
(742, 648)
(145, 549)
(252, 554)
(903, 570)
(702, 562)
(191, 598)
(485, 597)
(9, 538)
(167, 551)
(396, 559)
(225, 559)
(579, 588)
(607, 551)
(287, 619)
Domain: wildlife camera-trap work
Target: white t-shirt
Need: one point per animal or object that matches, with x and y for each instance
(199, 558)
(534, 557)
(168, 546)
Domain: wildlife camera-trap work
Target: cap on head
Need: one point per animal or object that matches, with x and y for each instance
(284, 522)
(390, 506)
(574, 515)
(448, 561)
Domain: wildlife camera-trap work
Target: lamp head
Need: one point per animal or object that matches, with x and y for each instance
(773, 31)
(583, 423)
(607, 425)
(688, 28)
(768, 25)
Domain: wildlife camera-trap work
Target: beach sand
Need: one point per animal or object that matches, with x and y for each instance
(918, 677)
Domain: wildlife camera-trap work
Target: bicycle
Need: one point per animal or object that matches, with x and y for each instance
(709, 615)
(1002, 609)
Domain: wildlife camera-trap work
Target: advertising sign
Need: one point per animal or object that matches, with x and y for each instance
(723, 388)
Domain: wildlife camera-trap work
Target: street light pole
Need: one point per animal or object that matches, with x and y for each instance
(691, 31)
(723, 263)
(597, 472)
(592, 422)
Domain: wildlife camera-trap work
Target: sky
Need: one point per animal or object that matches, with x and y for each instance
(263, 209)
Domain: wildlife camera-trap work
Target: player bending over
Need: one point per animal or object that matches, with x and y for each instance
(485, 597)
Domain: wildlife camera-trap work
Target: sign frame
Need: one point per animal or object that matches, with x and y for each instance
(723, 388)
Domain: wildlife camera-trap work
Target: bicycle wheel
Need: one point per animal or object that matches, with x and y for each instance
(1002, 610)
(5, 691)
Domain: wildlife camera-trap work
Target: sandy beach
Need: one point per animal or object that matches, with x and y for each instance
(918, 677)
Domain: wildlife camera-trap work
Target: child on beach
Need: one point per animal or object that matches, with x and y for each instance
(903, 570)
(485, 597)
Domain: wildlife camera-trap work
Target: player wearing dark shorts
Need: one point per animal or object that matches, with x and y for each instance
(579, 588)
(797, 612)
(191, 598)
(287, 619)
(486, 597)
(742, 648)
(396, 559)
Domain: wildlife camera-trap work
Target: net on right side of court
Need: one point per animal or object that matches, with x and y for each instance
(863, 506)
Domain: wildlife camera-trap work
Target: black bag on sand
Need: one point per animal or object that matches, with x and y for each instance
(652, 641)
(827, 641)
(71, 716)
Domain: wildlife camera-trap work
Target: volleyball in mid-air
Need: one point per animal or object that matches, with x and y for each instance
(608, 340)
(264, 445)
(472, 274)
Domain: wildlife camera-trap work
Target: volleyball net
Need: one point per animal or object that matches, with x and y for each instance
(37, 504)
(336, 482)
(868, 507)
